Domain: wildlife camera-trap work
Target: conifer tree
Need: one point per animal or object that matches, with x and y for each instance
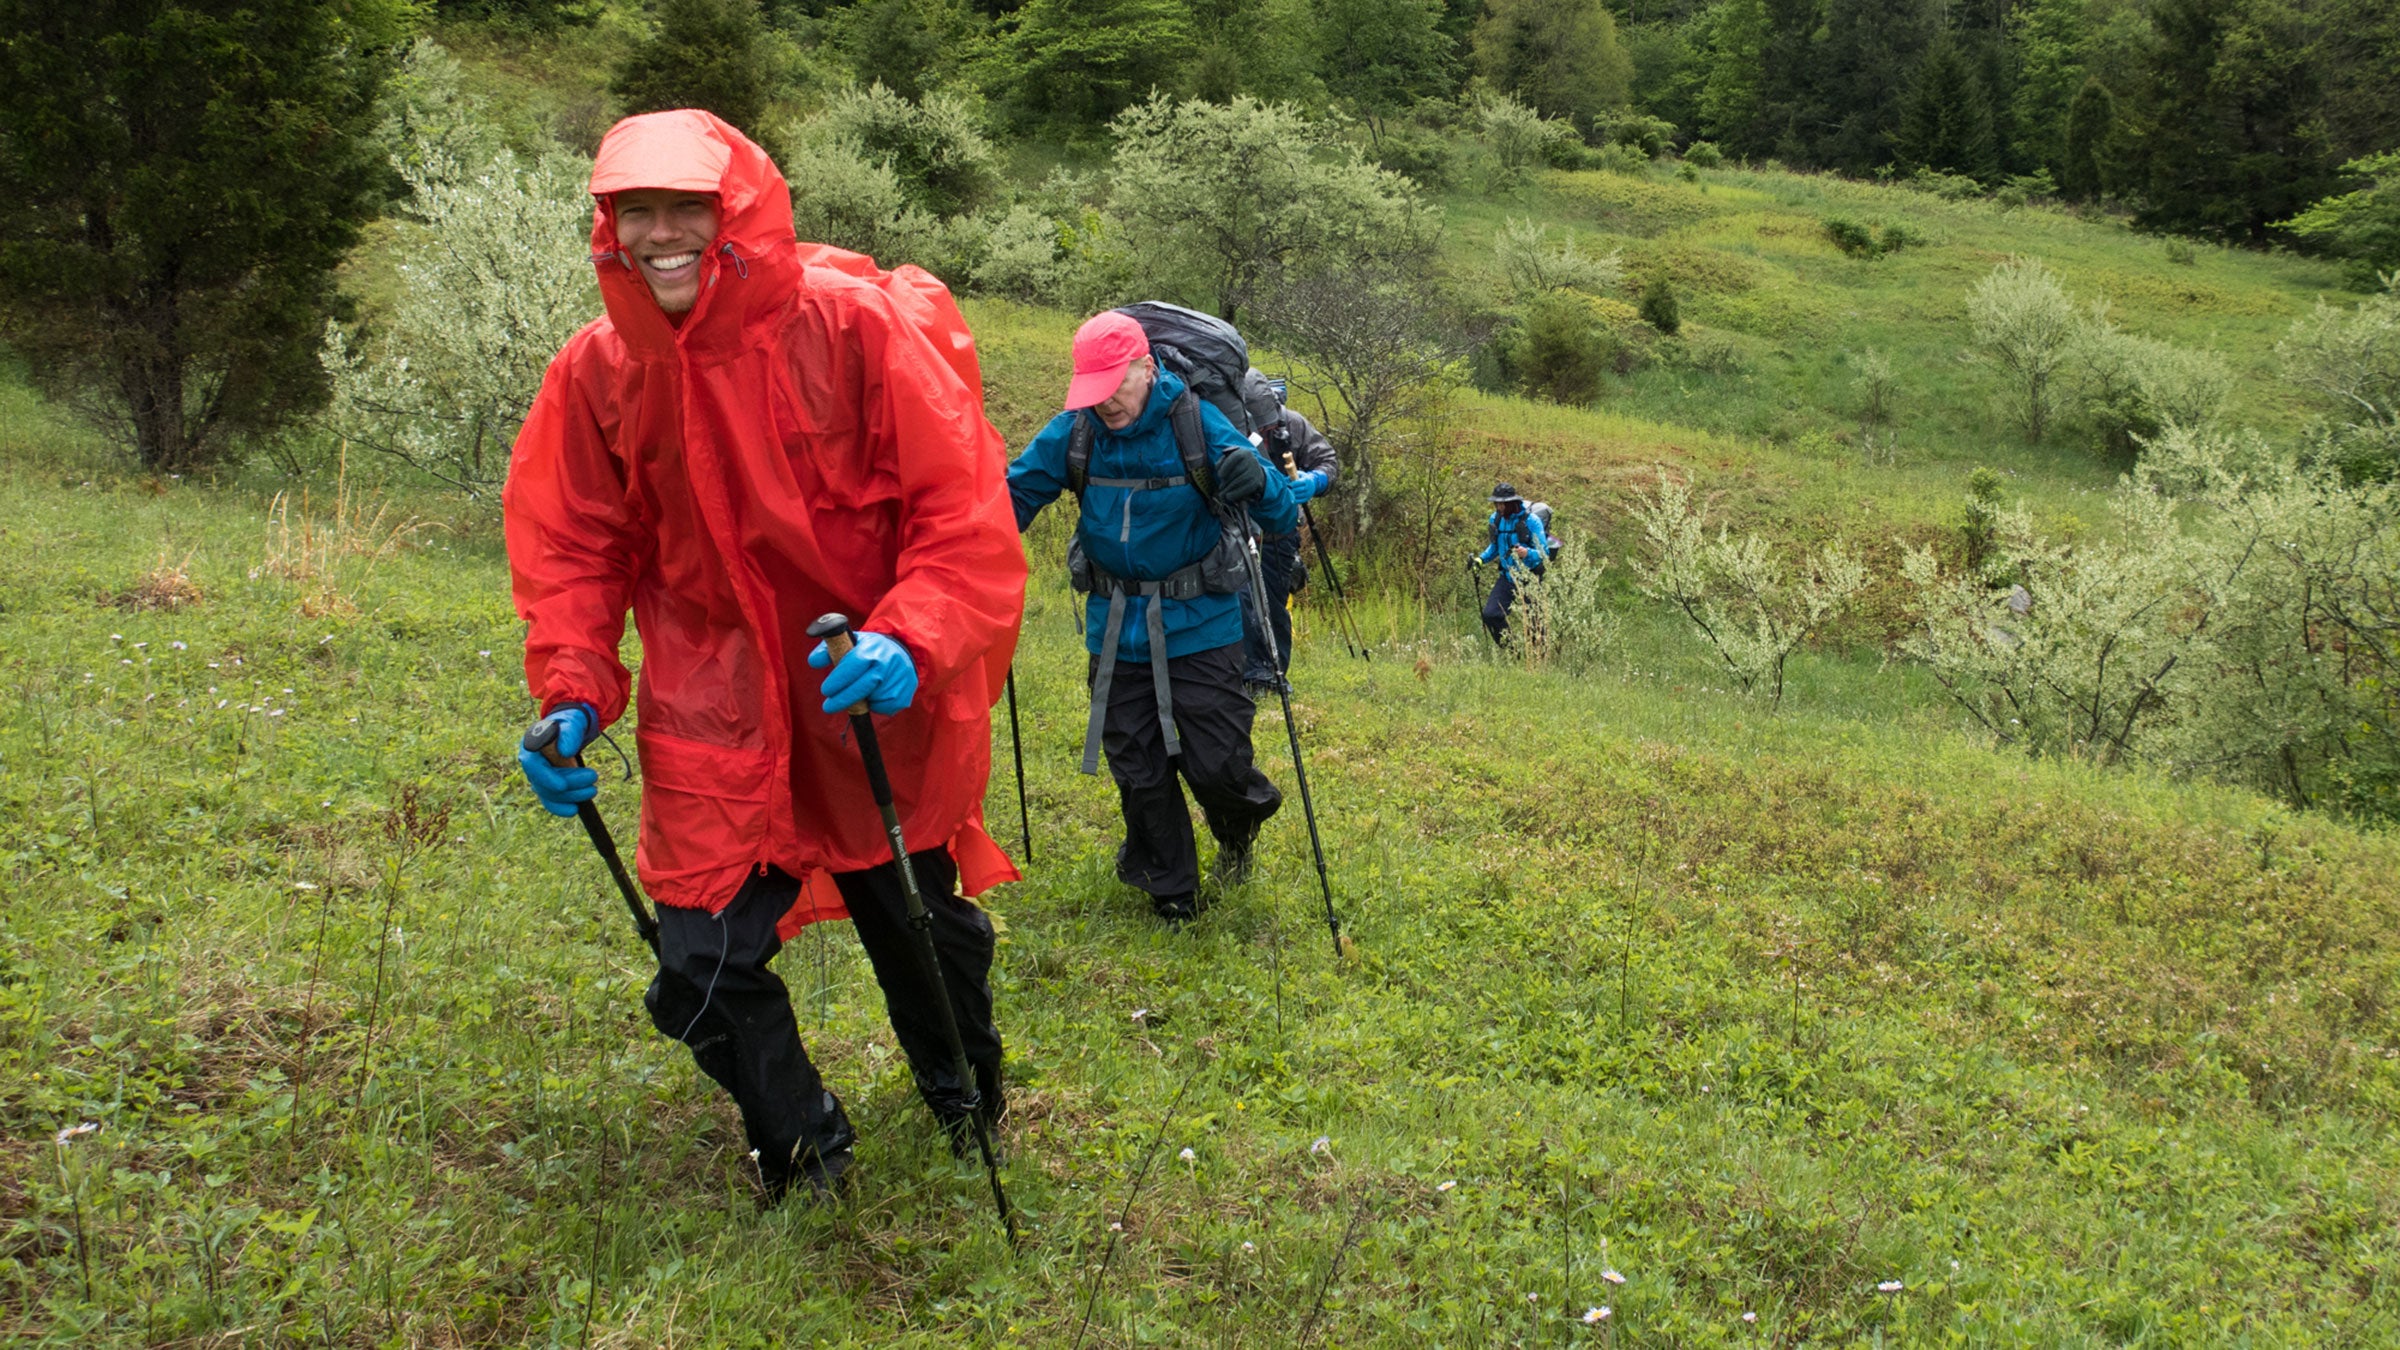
(1947, 125)
(706, 54)
(182, 179)
(2088, 168)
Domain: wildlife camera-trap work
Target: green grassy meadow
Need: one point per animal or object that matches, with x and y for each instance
(1822, 1026)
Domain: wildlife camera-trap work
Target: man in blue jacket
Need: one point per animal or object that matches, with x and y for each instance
(1163, 480)
(1522, 548)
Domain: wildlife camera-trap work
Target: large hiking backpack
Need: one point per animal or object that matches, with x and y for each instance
(1205, 352)
(1541, 512)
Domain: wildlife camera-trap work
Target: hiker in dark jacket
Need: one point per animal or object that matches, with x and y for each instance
(1522, 548)
(1306, 457)
(1163, 624)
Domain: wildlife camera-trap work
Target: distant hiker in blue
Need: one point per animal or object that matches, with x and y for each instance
(1522, 548)
(1163, 480)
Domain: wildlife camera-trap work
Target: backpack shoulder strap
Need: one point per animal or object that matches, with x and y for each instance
(1191, 443)
(1079, 453)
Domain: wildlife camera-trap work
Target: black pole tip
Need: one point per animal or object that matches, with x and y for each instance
(828, 625)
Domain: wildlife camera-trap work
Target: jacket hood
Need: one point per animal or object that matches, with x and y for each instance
(750, 270)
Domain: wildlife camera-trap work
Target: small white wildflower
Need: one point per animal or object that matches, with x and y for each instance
(320, 642)
(1750, 1317)
(1593, 1317)
(1116, 1228)
(1888, 1287)
(324, 803)
(1188, 1156)
(1249, 1247)
(116, 637)
(126, 661)
(1323, 1148)
(74, 1132)
(1140, 1013)
(287, 691)
(1612, 1276)
(1447, 1186)
(1954, 1265)
(276, 713)
(485, 655)
(179, 646)
(139, 645)
(1533, 1297)
(304, 885)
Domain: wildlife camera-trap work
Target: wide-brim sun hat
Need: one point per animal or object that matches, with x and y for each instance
(1504, 492)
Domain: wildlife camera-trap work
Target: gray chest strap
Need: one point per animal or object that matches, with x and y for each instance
(1155, 624)
(1133, 485)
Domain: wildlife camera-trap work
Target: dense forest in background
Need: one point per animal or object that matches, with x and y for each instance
(2221, 118)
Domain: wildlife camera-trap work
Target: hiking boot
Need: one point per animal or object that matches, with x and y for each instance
(957, 1124)
(819, 1161)
(819, 1178)
(1177, 910)
(1234, 861)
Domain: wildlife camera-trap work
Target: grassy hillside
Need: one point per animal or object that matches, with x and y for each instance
(1759, 1014)
(1828, 1027)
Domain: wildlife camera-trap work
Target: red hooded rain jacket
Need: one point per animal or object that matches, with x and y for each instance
(811, 438)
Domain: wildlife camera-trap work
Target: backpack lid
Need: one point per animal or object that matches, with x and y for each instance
(1207, 352)
(1541, 512)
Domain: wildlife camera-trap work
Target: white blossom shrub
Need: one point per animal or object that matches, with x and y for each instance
(1751, 606)
(1533, 266)
(2025, 324)
(494, 260)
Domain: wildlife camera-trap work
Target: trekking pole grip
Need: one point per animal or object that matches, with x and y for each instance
(834, 631)
(542, 739)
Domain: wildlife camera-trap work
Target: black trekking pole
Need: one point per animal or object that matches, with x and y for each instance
(1308, 806)
(1016, 747)
(542, 739)
(834, 631)
(1325, 561)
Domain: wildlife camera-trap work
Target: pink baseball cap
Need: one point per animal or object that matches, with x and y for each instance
(1105, 347)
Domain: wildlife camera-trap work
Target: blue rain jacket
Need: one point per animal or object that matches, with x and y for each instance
(1509, 533)
(1172, 527)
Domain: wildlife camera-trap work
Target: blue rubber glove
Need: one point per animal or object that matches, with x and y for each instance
(877, 672)
(1310, 484)
(560, 789)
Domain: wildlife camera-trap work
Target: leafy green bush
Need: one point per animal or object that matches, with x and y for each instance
(1950, 187)
(1520, 138)
(1852, 238)
(1309, 199)
(1703, 154)
(1659, 307)
(934, 146)
(2130, 388)
(1562, 351)
(1614, 158)
(1653, 136)
(2362, 226)
(1422, 156)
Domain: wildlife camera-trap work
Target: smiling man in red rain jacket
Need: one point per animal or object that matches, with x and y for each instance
(761, 431)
